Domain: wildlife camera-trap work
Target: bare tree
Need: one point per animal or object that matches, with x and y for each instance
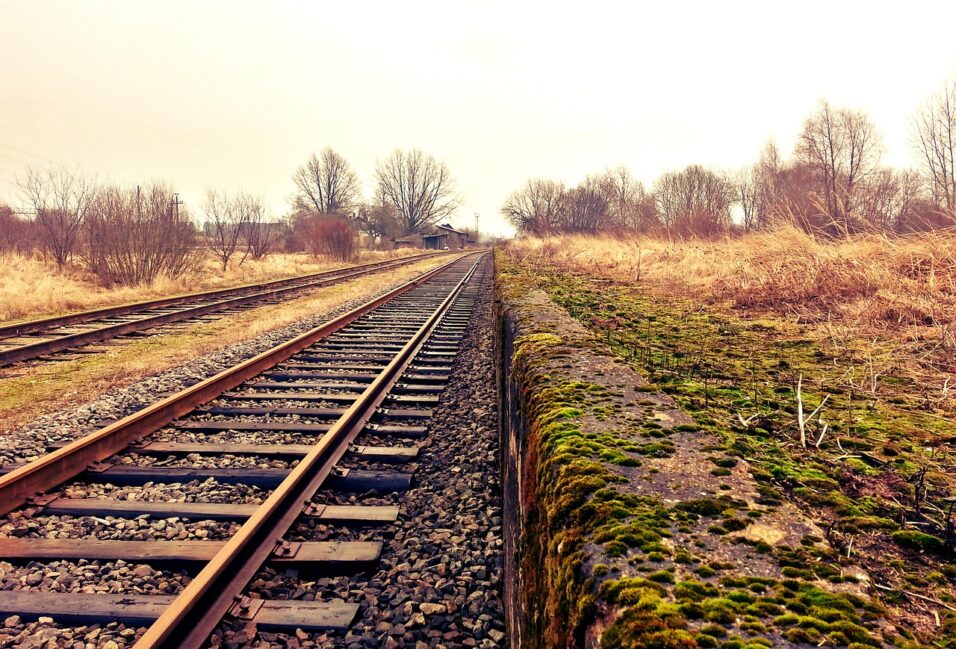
(585, 208)
(843, 148)
(694, 201)
(536, 207)
(889, 199)
(328, 235)
(258, 233)
(749, 196)
(225, 220)
(377, 221)
(935, 134)
(767, 177)
(61, 199)
(418, 187)
(326, 184)
(134, 235)
(17, 233)
(629, 205)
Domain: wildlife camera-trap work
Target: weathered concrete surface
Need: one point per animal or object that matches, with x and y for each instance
(668, 529)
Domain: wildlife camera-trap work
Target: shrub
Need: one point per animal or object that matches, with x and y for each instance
(328, 235)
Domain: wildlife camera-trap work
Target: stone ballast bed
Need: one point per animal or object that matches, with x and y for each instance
(627, 525)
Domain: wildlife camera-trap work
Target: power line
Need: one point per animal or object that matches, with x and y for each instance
(14, 161)
(32, 155)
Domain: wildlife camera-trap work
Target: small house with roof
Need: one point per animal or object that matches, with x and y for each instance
(445, 237)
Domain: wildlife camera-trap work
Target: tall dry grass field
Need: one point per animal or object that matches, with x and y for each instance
(31, 286)
(873, 283)
(900, 288)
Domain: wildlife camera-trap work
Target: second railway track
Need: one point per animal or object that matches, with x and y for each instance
(35, 339)
(340, 408)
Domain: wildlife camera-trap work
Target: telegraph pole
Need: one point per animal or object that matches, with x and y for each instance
(176, 204)
(476, 228)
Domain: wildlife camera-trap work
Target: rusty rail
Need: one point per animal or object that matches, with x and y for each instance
(41, 324)
(68, 341)
(51, 470)
(196, 612)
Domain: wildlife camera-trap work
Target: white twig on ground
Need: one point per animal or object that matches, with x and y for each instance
(823, 432)
(917, 596)
(746, 422)
(803, 421)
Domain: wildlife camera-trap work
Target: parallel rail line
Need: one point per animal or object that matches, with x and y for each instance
(67, 332)
(374, 372)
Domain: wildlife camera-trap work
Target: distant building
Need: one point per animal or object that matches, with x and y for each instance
(441, 237)
(409, 241)
(445, 237)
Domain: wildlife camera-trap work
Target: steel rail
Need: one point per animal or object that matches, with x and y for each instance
(201, 606)
(33, 350)
(51, 470)
(41, 324)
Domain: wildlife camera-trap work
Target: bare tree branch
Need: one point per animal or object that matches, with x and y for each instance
(843, 147)
(418, 187)
(61, 199)
(225, 220)
(326, 184)
(935, 135)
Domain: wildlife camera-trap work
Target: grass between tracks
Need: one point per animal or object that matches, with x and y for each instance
(31, 390)
(731, 330)
(31, 287)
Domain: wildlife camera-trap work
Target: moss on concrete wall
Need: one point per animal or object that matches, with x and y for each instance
(634, 527)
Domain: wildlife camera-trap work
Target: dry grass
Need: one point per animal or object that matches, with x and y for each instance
(31, 287)
(888, 303)
(28, 391)
(872, 284)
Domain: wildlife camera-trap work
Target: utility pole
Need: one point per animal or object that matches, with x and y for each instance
(176, 204)
(476, 228)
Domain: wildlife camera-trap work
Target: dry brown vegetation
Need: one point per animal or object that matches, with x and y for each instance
(901, 288)
(31, 286)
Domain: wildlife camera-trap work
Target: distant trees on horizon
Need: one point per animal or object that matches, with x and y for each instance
(833, 184)
(131, 235)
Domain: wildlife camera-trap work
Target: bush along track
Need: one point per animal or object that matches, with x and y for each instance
(685, 512)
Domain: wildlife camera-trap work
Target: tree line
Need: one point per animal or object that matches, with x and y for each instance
(833, 184)
(132, 235)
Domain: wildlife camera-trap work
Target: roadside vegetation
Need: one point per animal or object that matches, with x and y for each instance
(802, 311)
(825, 366)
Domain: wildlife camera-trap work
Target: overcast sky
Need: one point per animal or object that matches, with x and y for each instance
(237, 94)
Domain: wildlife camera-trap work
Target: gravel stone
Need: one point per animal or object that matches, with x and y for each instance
(439, 582)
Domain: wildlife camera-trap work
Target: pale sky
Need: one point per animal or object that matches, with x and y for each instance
(236, 95)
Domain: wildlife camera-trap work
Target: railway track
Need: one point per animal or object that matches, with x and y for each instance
(39, 338)
(338, 409)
